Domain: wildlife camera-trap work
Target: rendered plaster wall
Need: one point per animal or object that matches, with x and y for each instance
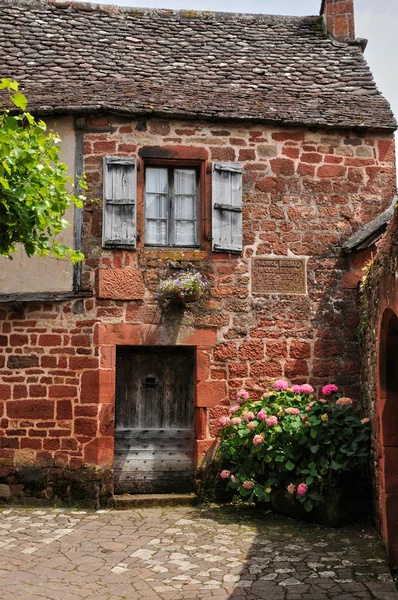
(305, 193)
(27, 275)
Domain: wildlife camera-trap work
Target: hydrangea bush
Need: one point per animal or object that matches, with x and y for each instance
(290, 440)
(184, 286)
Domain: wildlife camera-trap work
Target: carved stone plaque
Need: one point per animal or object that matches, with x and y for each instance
(279, 276)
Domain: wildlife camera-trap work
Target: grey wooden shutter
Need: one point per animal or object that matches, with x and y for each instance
(119, 213)
(227, 207)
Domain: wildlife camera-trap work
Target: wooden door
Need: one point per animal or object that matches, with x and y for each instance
(154, 433)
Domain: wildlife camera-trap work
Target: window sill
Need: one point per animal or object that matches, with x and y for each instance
(190, 254)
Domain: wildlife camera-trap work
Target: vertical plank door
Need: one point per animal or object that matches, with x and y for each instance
(154, 433)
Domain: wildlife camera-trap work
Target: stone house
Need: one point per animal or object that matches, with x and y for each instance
(248, 147)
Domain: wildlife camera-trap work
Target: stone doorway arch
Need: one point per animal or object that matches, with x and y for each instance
(388, 419)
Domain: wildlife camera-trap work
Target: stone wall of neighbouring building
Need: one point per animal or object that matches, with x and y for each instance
(304, 193)
(379, 326)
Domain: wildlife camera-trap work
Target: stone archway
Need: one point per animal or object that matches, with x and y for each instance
(388, 419)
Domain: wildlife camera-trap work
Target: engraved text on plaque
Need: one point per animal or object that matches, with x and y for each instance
(278, 276)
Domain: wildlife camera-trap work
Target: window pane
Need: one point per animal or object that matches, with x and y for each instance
(185, 207)
(156, 206)
(175, 224)
(185, 233)
(184, 181)
(156, 232)
(156, 181)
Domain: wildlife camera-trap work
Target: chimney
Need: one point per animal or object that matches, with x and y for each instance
(338, 17)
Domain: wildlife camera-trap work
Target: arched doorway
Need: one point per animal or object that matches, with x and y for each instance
(388, 412)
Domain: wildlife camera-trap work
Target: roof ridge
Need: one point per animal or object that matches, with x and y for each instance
(114, 9)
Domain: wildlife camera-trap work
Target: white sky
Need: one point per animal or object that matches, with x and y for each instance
(376, 20)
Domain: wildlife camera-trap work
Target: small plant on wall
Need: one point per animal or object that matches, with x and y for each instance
(182, 287)
(292, 443)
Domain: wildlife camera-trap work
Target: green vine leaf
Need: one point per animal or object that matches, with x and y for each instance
(19, 100)
(34, 194)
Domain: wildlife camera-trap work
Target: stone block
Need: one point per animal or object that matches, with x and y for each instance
(30, 409)
(283, 167)
(99, 451)
(121, 284)
(251, 350)
(350, 280)
(200, 423)
(90, 388)
(202, 365)
(210, 393)
(4, 491)
(119, 334)
(204, 451)
(22, 362)
(86, 427)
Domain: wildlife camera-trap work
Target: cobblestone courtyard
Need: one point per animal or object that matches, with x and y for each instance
(181, 553)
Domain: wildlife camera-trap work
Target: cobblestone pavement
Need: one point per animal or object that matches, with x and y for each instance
(182, 553)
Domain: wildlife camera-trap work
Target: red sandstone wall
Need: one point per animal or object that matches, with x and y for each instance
(304, 193)
(380, 300)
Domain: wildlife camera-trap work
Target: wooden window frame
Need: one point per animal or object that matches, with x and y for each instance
(170, 218)
(181, 158)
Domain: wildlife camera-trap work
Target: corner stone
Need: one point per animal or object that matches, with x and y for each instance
(120, 284)
(4, 491)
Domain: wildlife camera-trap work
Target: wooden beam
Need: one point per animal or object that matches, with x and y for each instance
(44, 296)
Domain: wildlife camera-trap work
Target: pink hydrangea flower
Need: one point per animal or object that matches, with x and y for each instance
(271, 421)
(292, 411)
(329, 389)
(365, 420)
(308, 407)
(302, 489)
(225, 474)
(304, 418)
(248, 485)
(322, 400)
(258, 439)
(242, 394)
(344, 401)
(247, 415)
(234, 409)
(262, 415)
(324, 418)
(236, 421)
(251, 426)
(291, 488)
(281, 384)
(233, 478)
(306, 388)
(224, 421)
(296, 389)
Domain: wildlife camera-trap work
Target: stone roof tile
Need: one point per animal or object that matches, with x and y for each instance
(79, 57)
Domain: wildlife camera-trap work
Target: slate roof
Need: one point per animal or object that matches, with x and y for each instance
(74, 57)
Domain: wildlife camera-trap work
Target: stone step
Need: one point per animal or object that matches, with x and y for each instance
(125, 501)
